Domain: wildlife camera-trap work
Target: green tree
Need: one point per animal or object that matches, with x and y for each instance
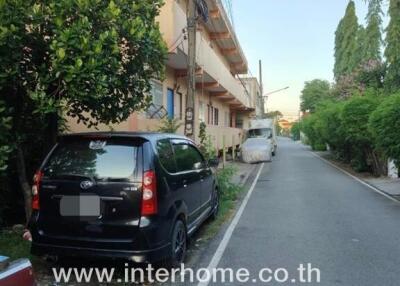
(5, 126)
(346, 43)
(373, 32)
(371, 71)
(314, 92)
(274, 114)
(90, 59)
(339, 51)
(361, 43)
(392, 51)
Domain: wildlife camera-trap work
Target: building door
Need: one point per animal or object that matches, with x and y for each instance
(170, 103)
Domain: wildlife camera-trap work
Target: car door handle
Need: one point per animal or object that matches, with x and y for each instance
(184, 182)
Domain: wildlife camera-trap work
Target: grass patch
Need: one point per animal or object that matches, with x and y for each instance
(229, 194)
(13, 246)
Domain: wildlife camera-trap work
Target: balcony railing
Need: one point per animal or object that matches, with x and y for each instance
(207, 58)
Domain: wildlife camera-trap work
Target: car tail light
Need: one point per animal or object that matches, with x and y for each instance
(35, 190)
(149, 194)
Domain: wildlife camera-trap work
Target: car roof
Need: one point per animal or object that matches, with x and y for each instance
(150, 136)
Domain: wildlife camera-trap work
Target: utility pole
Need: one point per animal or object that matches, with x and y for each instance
(261, 88)
(190, 108)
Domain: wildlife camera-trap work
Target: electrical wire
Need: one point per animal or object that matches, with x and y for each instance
(175, 44)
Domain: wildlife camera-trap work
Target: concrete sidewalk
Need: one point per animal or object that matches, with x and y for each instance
(387, 185)
(384, 184)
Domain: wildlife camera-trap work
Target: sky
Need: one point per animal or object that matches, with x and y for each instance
(295, 41)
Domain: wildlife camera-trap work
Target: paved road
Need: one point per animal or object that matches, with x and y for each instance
(303, 210)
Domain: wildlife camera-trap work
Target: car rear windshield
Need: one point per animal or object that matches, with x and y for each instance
(108, 159)
(261, 132)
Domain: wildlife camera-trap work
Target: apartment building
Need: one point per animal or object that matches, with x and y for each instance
(256, 100)
(224, 100)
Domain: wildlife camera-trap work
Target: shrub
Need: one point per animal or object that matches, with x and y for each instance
(228, 190)
(343, 125)
(206, 145)
(170, 125)
(355, 116)
(384, 125)
(295, 131)
(330, 127)
(310, 127)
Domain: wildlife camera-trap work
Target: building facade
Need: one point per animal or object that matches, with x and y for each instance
(224, 100)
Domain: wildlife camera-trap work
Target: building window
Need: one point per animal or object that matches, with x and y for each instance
(157, 93)
(216, 116)
(209, 114)
(239, 122)
(226, 119)
(202, 114)
(156, 109)
(171, 103)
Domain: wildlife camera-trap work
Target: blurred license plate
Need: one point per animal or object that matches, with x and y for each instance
(82, 206)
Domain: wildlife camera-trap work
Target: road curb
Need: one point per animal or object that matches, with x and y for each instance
(358, 179)
(246, 179)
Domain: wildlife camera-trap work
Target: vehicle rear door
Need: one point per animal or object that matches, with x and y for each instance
(91, 187)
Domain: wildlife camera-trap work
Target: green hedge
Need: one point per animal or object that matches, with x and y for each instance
(361, 130)
(384, 125)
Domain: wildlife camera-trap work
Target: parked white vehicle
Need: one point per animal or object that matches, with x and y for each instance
(255, 150)
(261, 143)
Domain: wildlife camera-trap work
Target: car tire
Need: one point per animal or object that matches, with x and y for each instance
(178, 245)
(215, 205)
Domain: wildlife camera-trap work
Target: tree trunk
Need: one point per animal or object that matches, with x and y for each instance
(379, 168)
(24, 183)
(52, 129)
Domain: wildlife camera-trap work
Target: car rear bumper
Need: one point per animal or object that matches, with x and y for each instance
(256, 156)
(140, 256)
(147, 244)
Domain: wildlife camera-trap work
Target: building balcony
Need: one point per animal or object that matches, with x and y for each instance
(217, 59)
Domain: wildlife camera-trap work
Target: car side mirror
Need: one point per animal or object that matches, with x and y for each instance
(270, 136)
(213, 162)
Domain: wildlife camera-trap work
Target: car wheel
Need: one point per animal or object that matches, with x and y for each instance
(178, 245)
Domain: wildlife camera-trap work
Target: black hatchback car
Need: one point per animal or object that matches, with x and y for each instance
(122, 195)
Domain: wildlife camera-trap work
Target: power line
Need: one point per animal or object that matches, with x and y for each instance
(178, 41)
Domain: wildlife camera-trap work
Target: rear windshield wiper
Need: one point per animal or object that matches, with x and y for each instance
(74, 176)
(109, 179)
